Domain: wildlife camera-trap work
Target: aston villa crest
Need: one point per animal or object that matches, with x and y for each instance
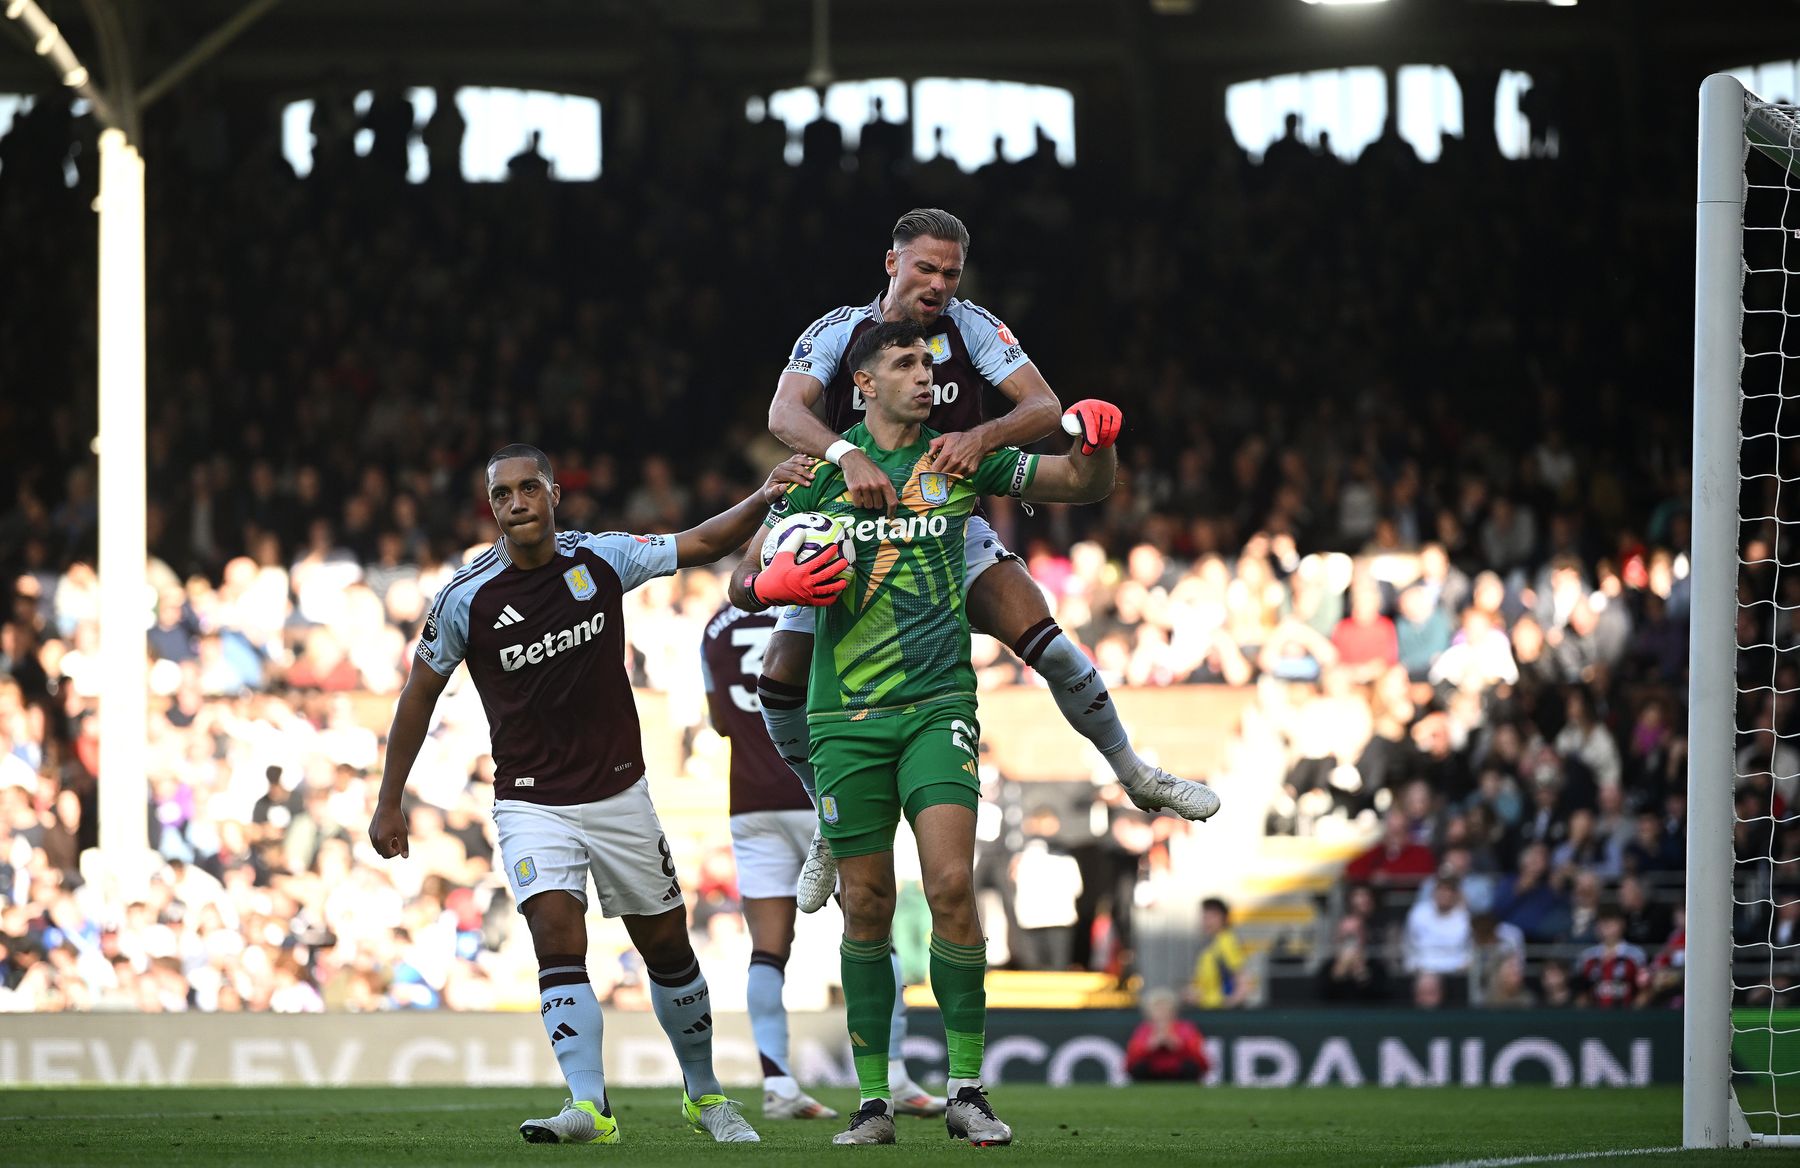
(934, 487)
(581, 582)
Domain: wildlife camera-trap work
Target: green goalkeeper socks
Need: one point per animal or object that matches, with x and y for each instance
(958, 979)
(868, 1008)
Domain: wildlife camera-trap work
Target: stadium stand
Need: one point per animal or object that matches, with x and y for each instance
(1451, 643)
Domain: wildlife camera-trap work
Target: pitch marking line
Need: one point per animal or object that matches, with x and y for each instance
(295, 1112)
(1555, 1158)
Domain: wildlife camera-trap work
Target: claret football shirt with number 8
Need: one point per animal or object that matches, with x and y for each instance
(898, 636)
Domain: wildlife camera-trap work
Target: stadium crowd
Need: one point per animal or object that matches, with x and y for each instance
(1436, 525)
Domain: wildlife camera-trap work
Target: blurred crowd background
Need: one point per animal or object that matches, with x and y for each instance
(1406, 464)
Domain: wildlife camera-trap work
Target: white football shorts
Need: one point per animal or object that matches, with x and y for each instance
(982, 549)
(618, 840)
(770, 847)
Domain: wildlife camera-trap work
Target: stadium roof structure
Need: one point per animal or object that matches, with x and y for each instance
(595, 46)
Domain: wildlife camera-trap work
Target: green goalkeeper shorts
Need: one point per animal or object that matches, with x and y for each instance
(871, 771)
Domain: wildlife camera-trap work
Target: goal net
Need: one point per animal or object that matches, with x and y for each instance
(1742, 1025)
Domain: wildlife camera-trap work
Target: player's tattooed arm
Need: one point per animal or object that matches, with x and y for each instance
(719, 536)
(1073, 477)
(794, 415)
(412, 718)
(1034, 414)
(794, 418)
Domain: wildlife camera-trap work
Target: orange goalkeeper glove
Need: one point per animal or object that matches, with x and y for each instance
(1095, 422)
(815, 583)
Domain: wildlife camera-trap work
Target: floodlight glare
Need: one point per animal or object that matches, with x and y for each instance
(1346, 3)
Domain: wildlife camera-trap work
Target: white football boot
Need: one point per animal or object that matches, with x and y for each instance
(1153, 789)
(818, 876)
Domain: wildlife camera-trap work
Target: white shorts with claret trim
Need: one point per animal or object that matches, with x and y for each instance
(770, 847)
(618, 840)
(982, 549)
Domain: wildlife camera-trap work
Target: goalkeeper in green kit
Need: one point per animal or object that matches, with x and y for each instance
(891, 702)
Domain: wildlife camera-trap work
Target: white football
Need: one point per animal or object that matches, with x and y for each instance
(817, 531)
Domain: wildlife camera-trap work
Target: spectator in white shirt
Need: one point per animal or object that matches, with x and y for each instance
(1438, 935)
(1047, 883)
(1478, 656)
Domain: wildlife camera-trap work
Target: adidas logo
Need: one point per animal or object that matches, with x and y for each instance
(1097, 704)
(561, 1032)
(701, 1026)
(508, 616)
(673, 892)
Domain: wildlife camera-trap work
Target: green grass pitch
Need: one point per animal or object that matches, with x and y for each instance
(1135, 1126)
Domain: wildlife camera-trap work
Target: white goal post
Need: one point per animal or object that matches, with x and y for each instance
(1737, 995)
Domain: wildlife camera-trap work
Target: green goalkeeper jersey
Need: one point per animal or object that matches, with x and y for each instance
(898, 637)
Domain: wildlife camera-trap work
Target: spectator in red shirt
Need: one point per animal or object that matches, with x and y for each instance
(1164, 1048)
(1614, 971)
(1395, 860)
(1366, 642)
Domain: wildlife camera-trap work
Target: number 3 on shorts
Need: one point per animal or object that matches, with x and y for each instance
(964, 736)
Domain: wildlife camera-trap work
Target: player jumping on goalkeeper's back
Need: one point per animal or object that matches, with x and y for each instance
(817, 399)
(891, 701)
